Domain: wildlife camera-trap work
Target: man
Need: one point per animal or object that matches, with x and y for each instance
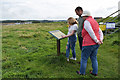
(92, 38)
(79, 12)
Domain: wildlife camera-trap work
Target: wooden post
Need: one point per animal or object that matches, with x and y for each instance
(58, 47)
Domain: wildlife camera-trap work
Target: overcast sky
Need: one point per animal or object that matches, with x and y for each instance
(54, 9)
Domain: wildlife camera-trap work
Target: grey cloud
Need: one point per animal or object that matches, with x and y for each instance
(16, 11)
(111, 8)
(47, 9)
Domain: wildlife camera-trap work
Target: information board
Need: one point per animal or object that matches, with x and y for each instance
(57, 34)
(102, 27)
(110, 25)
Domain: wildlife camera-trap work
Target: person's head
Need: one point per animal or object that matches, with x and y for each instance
(79, 11)
(72, 21)
(86, 14)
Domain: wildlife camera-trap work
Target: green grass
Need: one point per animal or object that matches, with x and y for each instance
(109, 19)
(29, 51)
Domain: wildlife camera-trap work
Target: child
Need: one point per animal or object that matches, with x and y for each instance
(72, 37)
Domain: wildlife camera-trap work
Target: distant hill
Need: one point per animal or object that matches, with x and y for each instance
(33, 21)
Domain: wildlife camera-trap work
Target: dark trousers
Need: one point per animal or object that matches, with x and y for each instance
(80, 41)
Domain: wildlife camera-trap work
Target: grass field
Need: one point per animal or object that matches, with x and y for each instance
(29, 51)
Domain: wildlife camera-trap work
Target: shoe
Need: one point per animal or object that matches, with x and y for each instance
(78, 62)
(78, 72)
(67, 59)
(92, 73)
(73, 58)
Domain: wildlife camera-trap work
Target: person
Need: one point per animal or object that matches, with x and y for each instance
(80, 20)
(72, 37)
(92, 38)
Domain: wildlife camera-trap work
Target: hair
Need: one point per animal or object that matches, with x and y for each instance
(72, 21)
(79, 8)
